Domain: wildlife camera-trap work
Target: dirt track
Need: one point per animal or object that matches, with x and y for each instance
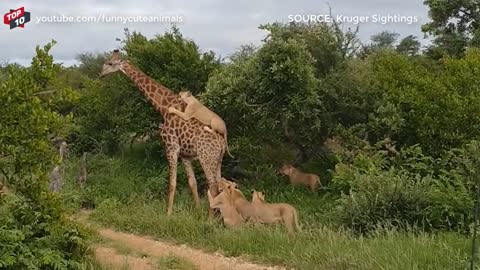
(143, 253)
(157, 249)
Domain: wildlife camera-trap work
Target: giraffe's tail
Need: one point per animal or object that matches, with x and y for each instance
(226, 144)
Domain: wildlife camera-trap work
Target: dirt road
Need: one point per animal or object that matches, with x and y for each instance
(128, 251)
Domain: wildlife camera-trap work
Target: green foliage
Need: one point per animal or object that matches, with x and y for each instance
(112, 111)
(34, 235)
(124, 186)
(171, 59)
(328, 44)
(384, 40)
(274, 93)
(409, 46)
(424, 105)
(407, 190)
(455, 26)
(33, 232)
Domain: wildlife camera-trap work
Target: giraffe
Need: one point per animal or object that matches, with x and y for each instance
(184, 139)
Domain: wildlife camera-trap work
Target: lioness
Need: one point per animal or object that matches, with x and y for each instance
(224, 202)
(243, 206)
(298, 177)
(195, 109)
(224, 184)
(269, 213)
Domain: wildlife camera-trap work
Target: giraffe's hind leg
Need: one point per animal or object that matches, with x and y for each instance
(172, 156)
(210, 165)
(192, 181)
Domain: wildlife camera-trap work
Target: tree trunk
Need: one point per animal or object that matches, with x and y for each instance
(302, 154)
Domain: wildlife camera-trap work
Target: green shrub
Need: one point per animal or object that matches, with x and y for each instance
(33, 231)
(34, 236)
(406, 191)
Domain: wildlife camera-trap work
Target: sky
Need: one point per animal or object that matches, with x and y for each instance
(218, 25)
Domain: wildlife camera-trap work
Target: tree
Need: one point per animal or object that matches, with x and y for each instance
(455, 26)
(172, 59)
(384, 40)
(433, 107)
(327, 43)
(272, 95)
(34, 234)
(112, 110)
(409, 46)
(91, 64)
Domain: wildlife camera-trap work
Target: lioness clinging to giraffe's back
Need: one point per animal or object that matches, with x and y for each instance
(195, 109)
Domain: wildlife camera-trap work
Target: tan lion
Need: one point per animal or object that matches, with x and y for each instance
(270, 213)
(195, 109)
(298, 177)
(243, 206)
(223, 201)
(224, 184)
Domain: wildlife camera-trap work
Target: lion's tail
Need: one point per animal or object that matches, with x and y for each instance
(317, 179)
(295, 218)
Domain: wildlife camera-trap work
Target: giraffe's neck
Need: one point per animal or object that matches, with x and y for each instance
(160, 96)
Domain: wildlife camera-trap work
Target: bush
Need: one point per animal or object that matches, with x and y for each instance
(34, 234)
(406, 191)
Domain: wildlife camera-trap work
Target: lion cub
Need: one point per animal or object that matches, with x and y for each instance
(195, 109)
(269, 213)
(224, 202)
(298, 177)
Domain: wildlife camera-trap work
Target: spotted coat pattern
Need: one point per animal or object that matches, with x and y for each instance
(184, 139)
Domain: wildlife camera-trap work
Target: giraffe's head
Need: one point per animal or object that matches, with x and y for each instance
(112, 64)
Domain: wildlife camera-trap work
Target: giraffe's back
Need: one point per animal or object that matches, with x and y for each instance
(191, 137)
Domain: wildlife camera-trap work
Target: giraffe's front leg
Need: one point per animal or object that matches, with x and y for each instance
(192, 181)
(172, 156)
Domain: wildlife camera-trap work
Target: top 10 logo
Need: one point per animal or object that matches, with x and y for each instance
(16, 18)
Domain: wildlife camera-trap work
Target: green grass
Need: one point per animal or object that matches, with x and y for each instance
(174, 263)
(92, 263)
(130, 195)
(316, 248)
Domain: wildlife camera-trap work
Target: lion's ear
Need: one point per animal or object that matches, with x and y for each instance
(253, 191)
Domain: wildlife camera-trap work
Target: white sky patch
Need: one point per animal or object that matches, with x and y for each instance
(221, 25)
